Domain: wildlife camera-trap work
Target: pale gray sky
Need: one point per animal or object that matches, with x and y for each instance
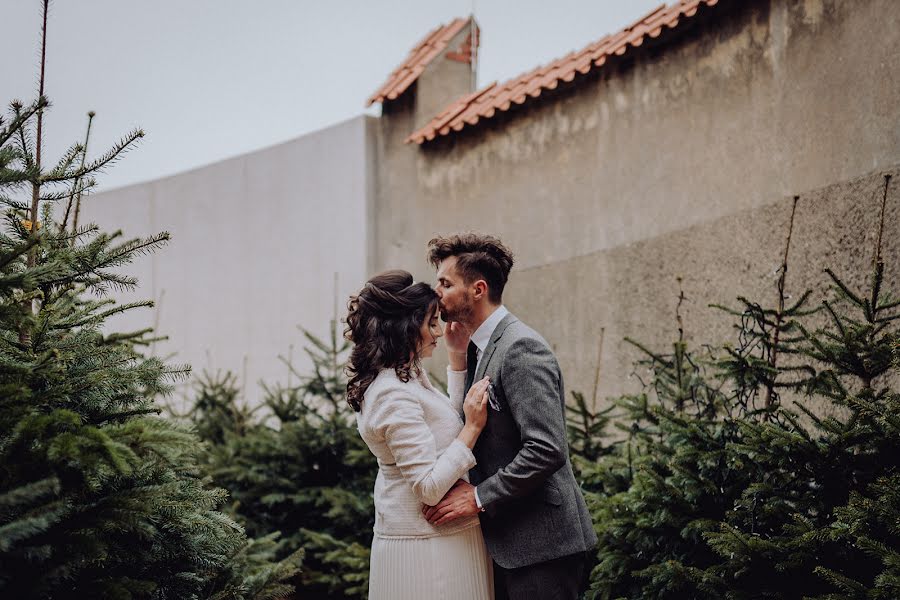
(210, 79)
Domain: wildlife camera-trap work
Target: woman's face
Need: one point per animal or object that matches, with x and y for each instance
(429, 334)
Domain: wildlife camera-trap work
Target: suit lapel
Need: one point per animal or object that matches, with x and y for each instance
(492, 344)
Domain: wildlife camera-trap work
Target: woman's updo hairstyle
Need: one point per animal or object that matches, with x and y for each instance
(384, 321)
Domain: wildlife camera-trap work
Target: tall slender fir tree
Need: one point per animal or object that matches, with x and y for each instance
(99, 496)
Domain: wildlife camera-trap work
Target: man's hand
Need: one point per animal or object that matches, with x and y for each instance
(457, 503)
(456, 336)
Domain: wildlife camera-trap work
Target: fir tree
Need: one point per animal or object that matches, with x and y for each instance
(99, 496)
(724, 490)
(868, 525)
(308, 475)
(779, 539)
(586, 429)
(666, 483)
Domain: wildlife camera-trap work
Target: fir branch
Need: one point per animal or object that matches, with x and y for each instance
(840, 284)
(82, 186)
(97, 318)
(66, 160)
(16, 253)
(14, 204)
(99, 164)
(20, 117)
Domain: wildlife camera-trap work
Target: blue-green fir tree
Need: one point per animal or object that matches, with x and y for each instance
(100, 497)
(297, 467)
(765, 468)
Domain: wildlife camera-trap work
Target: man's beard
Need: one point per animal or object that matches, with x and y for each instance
(462, 314)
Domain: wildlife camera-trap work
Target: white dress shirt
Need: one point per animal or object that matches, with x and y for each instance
(481, 337)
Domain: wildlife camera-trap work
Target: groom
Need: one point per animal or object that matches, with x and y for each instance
(533, 516)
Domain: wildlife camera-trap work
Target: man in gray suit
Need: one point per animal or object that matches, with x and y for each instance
(533, 516)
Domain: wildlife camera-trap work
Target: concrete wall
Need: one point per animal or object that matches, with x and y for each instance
(587, 305)
(397, 220)
(680, 160)
(256, 243)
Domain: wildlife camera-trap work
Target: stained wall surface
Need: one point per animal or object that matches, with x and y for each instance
(682, 160)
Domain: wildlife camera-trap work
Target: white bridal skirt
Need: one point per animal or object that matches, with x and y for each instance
(452, 567)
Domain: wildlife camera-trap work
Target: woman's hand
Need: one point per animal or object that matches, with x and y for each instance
(475, 405)
(456, 336)
(475, 408)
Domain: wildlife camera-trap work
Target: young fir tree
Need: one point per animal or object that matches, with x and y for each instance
(666, 483)
(99, 497)
(308, 475)
(868, 525)
(731, 492)
(788, 535)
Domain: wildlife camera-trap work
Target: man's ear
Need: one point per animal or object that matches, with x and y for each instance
(481, 289)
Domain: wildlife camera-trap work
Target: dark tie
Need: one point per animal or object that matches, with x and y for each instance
(471, 365)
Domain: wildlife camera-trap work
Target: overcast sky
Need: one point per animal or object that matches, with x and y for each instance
(210, 79)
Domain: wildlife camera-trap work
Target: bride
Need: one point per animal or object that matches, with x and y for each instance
(421, 441)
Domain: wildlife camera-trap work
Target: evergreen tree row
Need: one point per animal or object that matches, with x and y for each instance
(296, 466)
(769, 468)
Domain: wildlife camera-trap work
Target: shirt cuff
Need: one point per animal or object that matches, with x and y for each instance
(477, 500)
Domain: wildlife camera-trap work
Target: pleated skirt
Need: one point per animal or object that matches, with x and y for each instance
(451, 567)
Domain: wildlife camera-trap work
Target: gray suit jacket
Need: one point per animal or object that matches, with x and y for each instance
(534, 507)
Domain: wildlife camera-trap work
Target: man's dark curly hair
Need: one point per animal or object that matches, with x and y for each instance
(478, 256)
(384, 322)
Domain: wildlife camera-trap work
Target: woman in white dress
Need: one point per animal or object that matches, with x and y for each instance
(423, 442)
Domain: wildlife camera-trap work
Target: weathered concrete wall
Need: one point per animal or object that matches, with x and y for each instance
(675, 161)
(256, 243)
(586, 306)
(399, 212)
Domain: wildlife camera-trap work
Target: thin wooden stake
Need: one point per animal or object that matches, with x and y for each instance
(770, 388)
(877, 258)
(75, 191)
(597, 370)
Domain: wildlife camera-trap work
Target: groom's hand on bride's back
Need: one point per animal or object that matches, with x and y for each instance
(459, 502)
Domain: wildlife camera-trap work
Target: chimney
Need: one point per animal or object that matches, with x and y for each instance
(438, 70)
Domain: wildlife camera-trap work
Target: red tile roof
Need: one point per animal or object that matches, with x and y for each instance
(419, 58)
(488, 101)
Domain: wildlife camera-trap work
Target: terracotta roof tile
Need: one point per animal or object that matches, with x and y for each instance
(419, 57)
(494, 98)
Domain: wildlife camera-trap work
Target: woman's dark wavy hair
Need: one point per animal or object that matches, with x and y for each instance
(384, 323)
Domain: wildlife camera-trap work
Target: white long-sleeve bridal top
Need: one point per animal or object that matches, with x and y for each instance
(411, 429)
